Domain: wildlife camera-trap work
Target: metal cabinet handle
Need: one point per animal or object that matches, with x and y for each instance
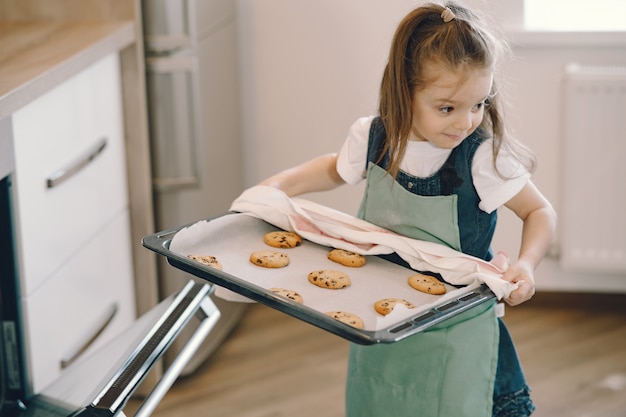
(168, 65)
(81, 162)
(106, 319)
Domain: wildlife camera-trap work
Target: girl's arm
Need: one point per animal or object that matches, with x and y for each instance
(537, 234)
(318, 174)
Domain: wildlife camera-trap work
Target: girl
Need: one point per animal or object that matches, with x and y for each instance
(438, 165)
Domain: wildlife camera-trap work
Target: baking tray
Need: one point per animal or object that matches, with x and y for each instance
(233, 236)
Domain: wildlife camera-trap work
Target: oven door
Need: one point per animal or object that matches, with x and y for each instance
(102, 383)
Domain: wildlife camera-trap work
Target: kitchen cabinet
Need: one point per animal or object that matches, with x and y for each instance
(72, 219)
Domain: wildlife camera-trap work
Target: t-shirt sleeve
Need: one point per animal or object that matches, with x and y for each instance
(352, 158)
(493, 190)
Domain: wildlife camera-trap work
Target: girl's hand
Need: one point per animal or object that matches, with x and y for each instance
(521, 273)
(539, 227)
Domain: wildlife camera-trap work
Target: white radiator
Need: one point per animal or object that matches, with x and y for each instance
(592, 217)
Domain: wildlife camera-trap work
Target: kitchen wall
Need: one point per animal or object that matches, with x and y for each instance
(309, 69)
(535, 93)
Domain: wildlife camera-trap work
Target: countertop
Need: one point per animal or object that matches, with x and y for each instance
(39, 55)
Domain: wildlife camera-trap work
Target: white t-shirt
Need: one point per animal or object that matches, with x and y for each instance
(422, 159)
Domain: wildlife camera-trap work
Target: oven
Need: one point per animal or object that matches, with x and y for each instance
(100, 382)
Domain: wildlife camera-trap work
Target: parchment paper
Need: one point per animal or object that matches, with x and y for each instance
(232, 238)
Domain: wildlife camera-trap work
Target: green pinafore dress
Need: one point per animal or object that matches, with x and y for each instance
(450, 369)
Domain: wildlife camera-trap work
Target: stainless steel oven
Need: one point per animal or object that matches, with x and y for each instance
(101, 383)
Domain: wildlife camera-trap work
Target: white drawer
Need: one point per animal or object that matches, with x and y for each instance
(55, 132)
(61, 316)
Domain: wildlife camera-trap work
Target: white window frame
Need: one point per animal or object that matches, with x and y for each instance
(509, 14)
(575, 15)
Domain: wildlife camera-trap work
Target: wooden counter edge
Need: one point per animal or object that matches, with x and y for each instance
(115, 37)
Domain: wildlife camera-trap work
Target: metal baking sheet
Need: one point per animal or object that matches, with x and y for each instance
(232, 237)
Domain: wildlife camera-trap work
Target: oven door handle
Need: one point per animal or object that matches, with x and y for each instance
(210, 315)
(192, 300)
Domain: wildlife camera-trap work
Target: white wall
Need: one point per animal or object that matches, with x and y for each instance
(535, 94)
(310, 68)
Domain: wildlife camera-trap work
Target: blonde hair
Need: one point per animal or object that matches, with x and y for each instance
(423, 37)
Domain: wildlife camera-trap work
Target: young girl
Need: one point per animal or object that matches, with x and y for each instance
(438, 165)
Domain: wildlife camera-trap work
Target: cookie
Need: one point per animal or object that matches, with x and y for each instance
(282, 239)
(327, 278)
(269, 259)
(427, 284)
(386, 305)
(292, 295)
(207, 260)
(347, 318)
(346, 258)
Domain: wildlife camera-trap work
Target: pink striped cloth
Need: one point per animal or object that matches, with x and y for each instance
(329, 227)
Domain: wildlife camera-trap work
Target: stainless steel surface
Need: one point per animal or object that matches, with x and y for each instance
(106, 379)
(210, 317)
(128, 377)
(175, 76)
(63, 174)
(195, 129)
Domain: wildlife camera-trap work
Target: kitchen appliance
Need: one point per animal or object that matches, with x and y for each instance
(101, 383)
(194, 120)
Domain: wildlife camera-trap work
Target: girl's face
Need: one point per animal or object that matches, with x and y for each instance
(451, 106)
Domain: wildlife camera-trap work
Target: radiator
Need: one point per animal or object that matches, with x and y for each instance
(592, 216)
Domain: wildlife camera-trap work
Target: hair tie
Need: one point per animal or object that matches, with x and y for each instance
(447, 15)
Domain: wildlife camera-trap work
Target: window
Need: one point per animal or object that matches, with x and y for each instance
(575, 15)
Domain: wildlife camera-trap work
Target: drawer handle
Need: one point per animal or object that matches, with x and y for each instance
(81, 162)
(107, 317)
